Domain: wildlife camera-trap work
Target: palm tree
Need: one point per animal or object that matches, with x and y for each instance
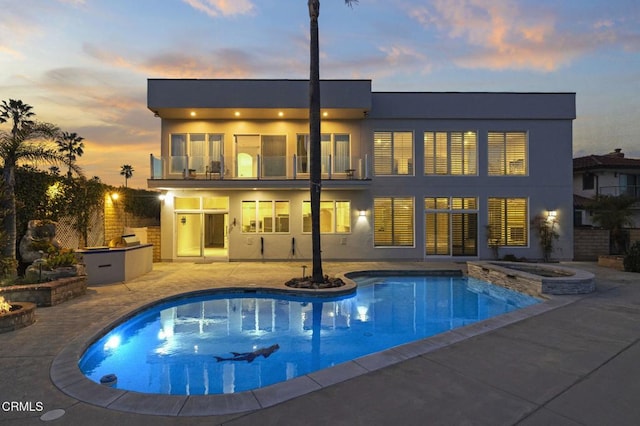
(17, 112)
(71, 145)
(614, 213)
(24, 142)
(127, 172)
(315, 171)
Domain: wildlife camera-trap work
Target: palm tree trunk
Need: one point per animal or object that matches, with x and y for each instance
(315, 176)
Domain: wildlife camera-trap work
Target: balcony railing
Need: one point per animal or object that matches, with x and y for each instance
(246, 167)
(628, 190)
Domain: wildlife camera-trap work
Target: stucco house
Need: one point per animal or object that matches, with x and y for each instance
(609, 174)
(406, 175)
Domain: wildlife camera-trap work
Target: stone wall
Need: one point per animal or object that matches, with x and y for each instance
(590, 243)
(22, 317)
(116, 219)
(47, 293)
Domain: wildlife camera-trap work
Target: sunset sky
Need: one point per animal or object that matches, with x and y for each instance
(83, 64)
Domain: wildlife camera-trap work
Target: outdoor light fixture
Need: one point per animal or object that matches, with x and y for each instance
(363, 213)
(161, 197)
(280, 114)
(183, 220)
(193, 113)
(115, 196)
(551, 215)
(237, 113)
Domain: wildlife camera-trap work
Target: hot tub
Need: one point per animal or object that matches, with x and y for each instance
(535, 279)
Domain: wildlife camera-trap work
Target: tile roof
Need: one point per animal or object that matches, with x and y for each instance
(613, 160)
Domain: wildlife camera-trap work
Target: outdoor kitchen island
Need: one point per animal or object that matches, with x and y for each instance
(106, 265)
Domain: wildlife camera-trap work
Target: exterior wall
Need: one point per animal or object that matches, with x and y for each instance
(547, 186)
(547, 119)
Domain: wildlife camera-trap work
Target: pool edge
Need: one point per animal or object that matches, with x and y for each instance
(66, 375)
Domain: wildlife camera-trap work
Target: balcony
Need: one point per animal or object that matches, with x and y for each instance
(627, 190)
(265, 172)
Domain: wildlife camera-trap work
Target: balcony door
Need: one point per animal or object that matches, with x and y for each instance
(260, 156)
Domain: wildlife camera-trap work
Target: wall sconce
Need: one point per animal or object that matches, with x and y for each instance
(552, 215)
(183, 220)
(114, 196)
(161, 197)
(363, 213)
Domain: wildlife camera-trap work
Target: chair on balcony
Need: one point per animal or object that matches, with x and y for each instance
(215, 168)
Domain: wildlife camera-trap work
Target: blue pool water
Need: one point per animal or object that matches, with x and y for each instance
(172, 347)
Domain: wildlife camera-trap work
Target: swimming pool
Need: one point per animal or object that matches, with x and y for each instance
(172, 347)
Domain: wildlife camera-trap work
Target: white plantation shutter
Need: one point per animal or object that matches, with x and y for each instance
(393, 153)
(508, 223)
(450, 153)
(393, 221)
(382, 152)
(507, 153)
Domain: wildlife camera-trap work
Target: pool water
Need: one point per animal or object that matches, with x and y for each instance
(172, 347)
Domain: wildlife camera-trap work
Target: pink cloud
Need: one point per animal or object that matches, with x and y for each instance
(215, 8)
(504, 35)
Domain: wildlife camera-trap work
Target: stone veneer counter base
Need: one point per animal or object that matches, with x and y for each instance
(534, 279)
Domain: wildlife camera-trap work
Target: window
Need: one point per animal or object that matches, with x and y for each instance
(451, 226)
(393, 153)
(332, 146)
(450, 153)
(335, 217)
(507, 153)
(508, 224)
(588, 181)
(265, 216)
(393, 221)
(178, 151)
(202, 148)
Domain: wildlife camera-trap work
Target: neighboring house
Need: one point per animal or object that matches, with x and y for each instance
(406, 176)
(609, 174)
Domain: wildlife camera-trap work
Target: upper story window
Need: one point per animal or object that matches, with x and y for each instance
(265, 216)
(335, 152)
(507, 153)
(393, 153)
(194, 151)
(335, 217)
(450, 153)
(588, 181)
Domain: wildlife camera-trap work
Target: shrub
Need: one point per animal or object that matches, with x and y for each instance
(58, 258)
(632, 258)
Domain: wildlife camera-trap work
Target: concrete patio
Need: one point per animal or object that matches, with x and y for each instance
(573, 362)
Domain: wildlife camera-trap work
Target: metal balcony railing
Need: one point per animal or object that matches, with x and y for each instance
(628, 190)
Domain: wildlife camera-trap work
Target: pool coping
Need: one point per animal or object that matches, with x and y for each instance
(66, 375)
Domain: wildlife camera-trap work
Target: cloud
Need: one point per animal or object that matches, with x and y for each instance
(214, 8)
(500, 35)
(177, 62)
